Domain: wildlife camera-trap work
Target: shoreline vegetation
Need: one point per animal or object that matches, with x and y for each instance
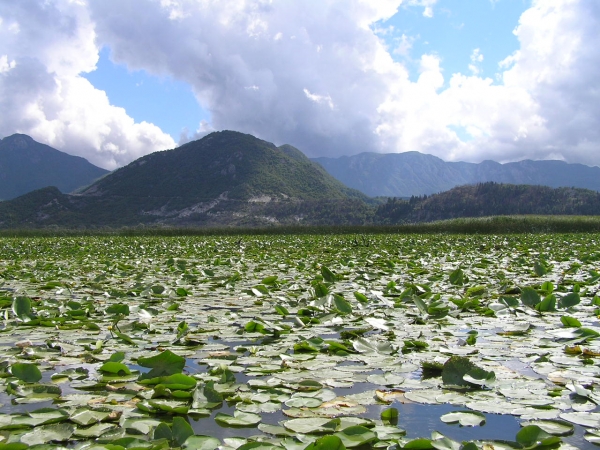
(470, 225)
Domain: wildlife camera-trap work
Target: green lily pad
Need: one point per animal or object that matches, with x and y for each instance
(356, 436)
(331, 442)
(314, 425)
(61, 432)
(553, 427)
(238, 420)
(455, 369)
(117, 368)
(182, 431)
(201, 442)
(164, 364)
(532, 435)
(26, 372)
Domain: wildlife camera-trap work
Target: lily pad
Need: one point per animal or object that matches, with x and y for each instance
(464, 418)
(238, 420)
(26, 372)
(164, 364)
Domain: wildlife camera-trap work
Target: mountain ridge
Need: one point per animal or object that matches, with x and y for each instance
(27, 165)
(413, 173)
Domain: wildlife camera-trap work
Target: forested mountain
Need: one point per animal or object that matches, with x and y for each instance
(27, 165)
(413, 173)
(226, 178)
(490, 199)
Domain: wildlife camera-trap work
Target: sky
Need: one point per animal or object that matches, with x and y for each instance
(462, 80)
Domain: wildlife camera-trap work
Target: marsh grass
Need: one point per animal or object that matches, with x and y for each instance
(479, 225)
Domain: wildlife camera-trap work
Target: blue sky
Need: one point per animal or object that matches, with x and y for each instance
(463, 80)
(164, 101)
(456, 29)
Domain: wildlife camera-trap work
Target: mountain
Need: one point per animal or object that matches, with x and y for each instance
(26, 165)
(490, 199)
(414, 173)
(225, 178)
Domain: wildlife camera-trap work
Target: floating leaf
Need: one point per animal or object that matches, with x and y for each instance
(568, 321)
(163, 431)
(341, 304)
(480, 377)
(328, 275)
(269, 281)
(85, 416)
(118, 308)
(282, 310)
(331, 442)
(28, 373)
(361, 297)
(569, 300)
(239, 419)
(48, 433)
(390, 415)
(182, 430)
(553, 427)
(21, 307)
(540, 268)
(548, 304)
(200, 442)
(464, 418)
(455, 369)
(178, 381)
(313, 425)
(364, 345)
(163, 364)
(116, 368)
(419, 444)
(356, 436)
(530, 297)
(457, 277)
(533, 435)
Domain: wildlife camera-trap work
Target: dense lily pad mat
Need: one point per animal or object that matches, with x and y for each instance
(297, 341)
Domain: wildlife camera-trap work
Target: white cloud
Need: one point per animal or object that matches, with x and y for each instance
(319, 98)
(5, 64)
(45, 47)
(547, 104)
(312, 74)
(426, 4)
(476, 59)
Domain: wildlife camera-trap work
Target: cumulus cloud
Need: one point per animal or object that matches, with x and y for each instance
(476, 59)
(318, 75)
(44, 49)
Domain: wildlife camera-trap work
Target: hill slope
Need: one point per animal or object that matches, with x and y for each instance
(226, 178)
(226, 163)
(413, 173)
(490, 199)
(26, 165)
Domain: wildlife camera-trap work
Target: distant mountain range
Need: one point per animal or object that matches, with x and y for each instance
(233, 179)
(413, 173)
(26, 165)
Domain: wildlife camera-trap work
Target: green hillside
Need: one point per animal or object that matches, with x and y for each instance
(227, 165)
(490, 199)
